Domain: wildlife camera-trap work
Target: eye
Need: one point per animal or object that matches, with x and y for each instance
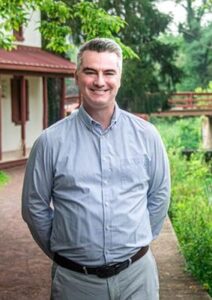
(89, 72)
(110, 73)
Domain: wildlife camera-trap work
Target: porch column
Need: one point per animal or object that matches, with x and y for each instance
(45, 103)
(207, 132)
(0, 122)
(62, 99)
(23, 115)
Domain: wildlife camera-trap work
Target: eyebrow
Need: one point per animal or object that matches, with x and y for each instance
(91, 69)
(88, 69)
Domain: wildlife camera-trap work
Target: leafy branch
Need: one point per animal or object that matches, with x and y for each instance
(95, 22)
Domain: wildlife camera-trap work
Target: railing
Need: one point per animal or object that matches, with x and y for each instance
(189, 100)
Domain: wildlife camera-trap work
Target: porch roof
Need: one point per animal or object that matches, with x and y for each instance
(35, 60)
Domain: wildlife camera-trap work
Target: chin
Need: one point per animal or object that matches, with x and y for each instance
(98, 101)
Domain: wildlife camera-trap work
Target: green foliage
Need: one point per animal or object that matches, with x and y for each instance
(16, 13)
(194, 55)
(191, 199)
(146, 82)
(101, 24)
(4, 178)
(198, 60)
(11, 16)
(55, 24)
(53, 28)
(191, 211)
(208, 89)
(180, 133)
(6, 41)
(104, 24)
(196, 46)
(135, 25)
(208, 5)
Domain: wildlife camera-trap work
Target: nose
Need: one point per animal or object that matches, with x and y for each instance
(99, 80)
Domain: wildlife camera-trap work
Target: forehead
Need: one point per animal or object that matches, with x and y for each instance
(99, 60)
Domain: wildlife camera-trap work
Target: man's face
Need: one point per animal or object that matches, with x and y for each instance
(98, 79)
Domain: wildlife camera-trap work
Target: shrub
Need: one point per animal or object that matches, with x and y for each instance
(3, 178)
(191, 213)
(191, 201)
(180, 132)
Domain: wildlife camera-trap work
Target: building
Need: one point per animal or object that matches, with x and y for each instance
(23, 92)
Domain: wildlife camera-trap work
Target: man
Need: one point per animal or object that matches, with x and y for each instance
(106, 173)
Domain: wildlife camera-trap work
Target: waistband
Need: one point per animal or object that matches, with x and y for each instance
(104, 271)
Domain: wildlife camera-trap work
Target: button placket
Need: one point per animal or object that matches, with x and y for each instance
(105, 195)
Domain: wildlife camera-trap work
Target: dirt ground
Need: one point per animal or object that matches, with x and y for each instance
(25, 271)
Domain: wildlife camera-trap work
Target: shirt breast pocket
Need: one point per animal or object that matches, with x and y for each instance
(134, 172)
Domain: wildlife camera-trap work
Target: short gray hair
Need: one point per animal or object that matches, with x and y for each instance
(100, 45)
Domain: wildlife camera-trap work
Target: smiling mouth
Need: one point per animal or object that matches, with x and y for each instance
(99, 91)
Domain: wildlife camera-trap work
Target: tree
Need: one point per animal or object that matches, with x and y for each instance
(146, 82)
(197, 45)
(137, 24)
(54, 26)
(58, 22)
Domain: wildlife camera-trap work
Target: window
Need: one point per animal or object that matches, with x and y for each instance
(16, 94)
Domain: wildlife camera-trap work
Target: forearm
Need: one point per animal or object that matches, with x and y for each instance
(40, 229)
(158, 207)
(36, 194)
(158, 196)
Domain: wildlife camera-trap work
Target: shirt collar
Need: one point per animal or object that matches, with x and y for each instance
(90, 122)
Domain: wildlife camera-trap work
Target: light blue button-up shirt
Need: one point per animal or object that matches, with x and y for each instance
(96, 196)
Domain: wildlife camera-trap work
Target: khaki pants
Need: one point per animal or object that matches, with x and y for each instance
(138, 282)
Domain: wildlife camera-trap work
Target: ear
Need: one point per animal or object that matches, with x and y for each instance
(120, 81)
(76, 77)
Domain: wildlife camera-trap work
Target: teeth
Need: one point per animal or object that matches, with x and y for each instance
(98, 91)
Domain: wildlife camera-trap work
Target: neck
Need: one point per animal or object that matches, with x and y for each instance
(102, 115)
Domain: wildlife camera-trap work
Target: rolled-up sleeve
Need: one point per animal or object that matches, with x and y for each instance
(36, 194)
(158, 196)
